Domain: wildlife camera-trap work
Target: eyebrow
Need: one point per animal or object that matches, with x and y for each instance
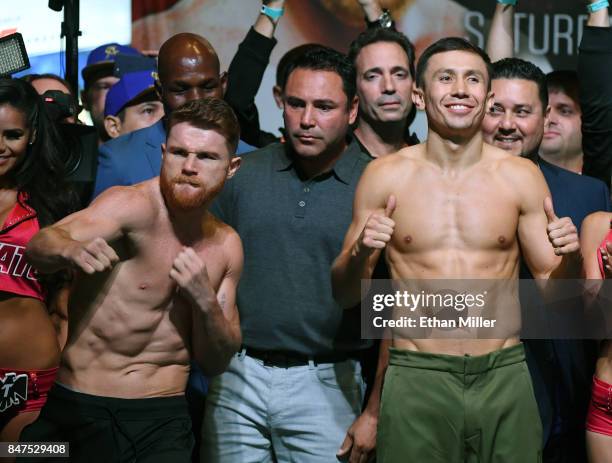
(181, 149)
(454, 72)
(320, 101)
(380, 70)
(182, 82)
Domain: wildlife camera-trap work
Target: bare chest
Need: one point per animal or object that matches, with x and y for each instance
(472, 213)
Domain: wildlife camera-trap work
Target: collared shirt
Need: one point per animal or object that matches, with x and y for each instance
(292, 229)
(411, 139)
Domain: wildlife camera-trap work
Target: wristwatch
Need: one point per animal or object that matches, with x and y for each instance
(384, 20)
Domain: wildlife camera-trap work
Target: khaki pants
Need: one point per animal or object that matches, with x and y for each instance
(451, 409)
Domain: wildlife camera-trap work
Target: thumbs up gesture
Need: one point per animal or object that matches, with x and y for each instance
(562, 233)
(378, 229)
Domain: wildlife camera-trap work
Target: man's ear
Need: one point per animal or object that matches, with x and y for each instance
(490, 102)
(234, 165)
(277, 93)
(112, 125)
(353, 110)
(223, 78)
(418, 97)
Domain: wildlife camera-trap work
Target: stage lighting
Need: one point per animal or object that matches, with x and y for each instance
(13, 55)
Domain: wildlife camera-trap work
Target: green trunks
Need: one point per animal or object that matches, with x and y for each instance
(449, 409)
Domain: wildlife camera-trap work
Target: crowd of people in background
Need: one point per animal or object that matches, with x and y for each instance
(178, 284)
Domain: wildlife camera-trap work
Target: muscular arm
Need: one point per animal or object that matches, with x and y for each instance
(80, 239)
(359, 254)
(216, 333)
(500, 43)
(543, 237)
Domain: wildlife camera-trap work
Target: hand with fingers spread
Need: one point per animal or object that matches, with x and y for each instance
(92, 256)
(378, 229)
(190, 274)
(562, 232)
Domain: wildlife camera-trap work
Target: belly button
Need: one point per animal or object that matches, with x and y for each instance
(143, 286)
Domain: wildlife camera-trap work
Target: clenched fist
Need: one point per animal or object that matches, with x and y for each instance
(92, 256)
(190, 274)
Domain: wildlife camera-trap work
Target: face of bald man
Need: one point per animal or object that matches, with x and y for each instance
(188, 70)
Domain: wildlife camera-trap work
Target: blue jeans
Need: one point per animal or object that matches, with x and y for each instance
(257, 414)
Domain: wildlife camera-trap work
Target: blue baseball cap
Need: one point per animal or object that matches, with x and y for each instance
(102, 59)
(131, 86)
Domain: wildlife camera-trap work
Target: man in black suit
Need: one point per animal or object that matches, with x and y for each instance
(561, 370)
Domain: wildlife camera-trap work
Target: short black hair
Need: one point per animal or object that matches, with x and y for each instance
(564, 81)
(449, 44)
(383, 34)
(323, 58)
(516, 68)
(288, 58)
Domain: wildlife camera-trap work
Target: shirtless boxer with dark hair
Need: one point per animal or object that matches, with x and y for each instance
(454, 208)
(156, 287)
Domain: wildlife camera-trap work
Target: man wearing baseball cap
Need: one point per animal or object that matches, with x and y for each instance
(98, 77)
(132, 104)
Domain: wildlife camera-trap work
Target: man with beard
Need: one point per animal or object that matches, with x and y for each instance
(157, 276)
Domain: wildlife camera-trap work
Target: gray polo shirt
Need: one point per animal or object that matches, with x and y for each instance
(292, 229)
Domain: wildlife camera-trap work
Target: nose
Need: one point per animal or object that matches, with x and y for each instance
(459, 88)
(307, 120)
(507, 123)
(189, 165)
(195, 93)
(553, 118)
(388, 84)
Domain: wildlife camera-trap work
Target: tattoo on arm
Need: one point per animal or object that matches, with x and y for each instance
(222, 301)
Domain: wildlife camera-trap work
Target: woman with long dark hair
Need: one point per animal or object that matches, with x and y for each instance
(32, 195)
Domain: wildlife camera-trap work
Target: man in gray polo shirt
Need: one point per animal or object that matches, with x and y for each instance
(295, 387)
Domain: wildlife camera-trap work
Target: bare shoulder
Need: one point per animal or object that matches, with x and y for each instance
(137, 204)
(227, 241)
(597, 222)
(397, 163)
(517, 169)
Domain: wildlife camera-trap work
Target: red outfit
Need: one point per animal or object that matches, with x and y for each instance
(607, 239)
(599, 418)
(20, 391)
(13, 384)
(16, 275)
